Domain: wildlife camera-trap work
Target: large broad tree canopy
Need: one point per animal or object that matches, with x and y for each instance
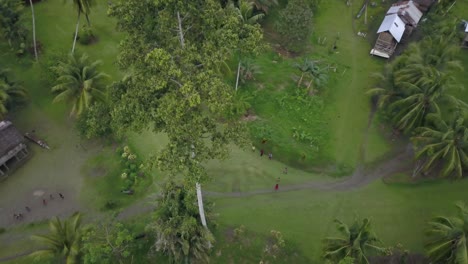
(172, 51)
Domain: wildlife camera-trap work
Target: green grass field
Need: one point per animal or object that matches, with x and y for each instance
(398, 211)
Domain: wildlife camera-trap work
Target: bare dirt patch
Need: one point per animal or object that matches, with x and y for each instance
(249, 117)
(98, 172)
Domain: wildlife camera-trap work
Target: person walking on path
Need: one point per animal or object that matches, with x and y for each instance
(285, 171)
(270, 156)
(261, 152)
(51, 196)
(61, 196)
(277, 184)
(27, 208)
(44, 202)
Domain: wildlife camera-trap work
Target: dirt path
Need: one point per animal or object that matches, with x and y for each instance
(361, 177)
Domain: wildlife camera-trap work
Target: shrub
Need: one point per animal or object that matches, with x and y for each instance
(2, 230)
(295, 24)
(95, 121)
(86, 35)
(48, 75)
(110, 205)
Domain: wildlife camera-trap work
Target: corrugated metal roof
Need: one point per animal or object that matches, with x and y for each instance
(394, 25)
(406, 8)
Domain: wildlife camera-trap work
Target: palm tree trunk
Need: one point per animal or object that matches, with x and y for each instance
(238, 73)
(34, 29)
(200, 204)
(76, 31)
(87, 20)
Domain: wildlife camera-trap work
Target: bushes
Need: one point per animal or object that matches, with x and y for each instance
(295, 24)
(133, 169)
(95, 121)
(86, 36)
(11, 26)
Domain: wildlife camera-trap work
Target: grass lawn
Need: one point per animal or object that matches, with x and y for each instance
(336, 118)
(398, 212)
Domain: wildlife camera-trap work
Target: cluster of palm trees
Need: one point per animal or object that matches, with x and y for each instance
(415, 92)
(446, 241)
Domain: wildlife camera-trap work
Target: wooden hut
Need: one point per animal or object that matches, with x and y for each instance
(399, 22)
(12, 147)
(390, 33)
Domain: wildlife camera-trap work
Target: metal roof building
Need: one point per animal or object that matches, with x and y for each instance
(400, 20)
(394, 25)
(408, 12)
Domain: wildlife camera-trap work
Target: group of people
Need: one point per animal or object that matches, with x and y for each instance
(270, 157)
(20, 216)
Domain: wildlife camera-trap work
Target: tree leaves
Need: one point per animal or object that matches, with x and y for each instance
(447, 238)
(79, 82)
(178, 89)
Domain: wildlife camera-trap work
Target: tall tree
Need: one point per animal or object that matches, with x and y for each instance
(79, 82)
(108, 242)
(177, 226)
(356, 242)
(447, 238)
(443, 142)
(295, 24)
(63, 241)
(34, 29)
(174, 48)
(81, 6)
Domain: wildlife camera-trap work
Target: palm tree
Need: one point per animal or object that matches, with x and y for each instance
(79, 82)
(264, 5)
(245, 10)
(446, 142)
(422, 59)
(355, 242)
(245, 14)
(447, 238)
(177, 226)
(11, 93)
(63, 241)
(34, 29)
(82, 6)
